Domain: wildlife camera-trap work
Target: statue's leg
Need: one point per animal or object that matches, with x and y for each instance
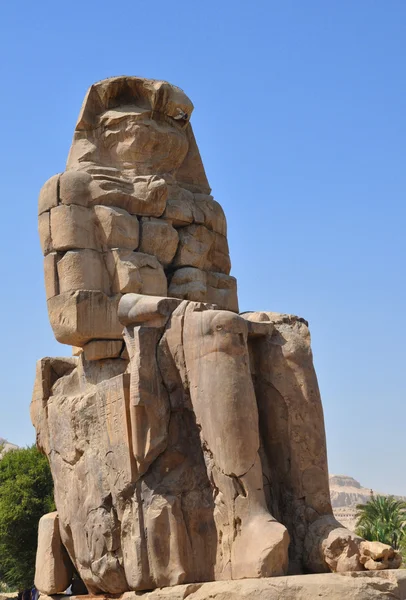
(293, 436)
(223, 398)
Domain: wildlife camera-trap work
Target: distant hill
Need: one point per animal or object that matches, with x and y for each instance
(5, 447)
(346, 492)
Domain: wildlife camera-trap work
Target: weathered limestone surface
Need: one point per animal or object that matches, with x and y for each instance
(53, 569)
(133, 201)
(186, 441)
(159, 238)
(100, 349)
(177, 498)
(204, 286)
(390, 585)
(77, 317)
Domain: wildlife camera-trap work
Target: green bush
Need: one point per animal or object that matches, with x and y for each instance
(26, 493)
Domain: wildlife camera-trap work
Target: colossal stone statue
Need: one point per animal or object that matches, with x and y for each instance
(186, 441)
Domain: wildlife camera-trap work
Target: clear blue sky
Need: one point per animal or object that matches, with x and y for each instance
(300, 118)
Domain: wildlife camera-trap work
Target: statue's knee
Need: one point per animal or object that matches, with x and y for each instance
(224, 331)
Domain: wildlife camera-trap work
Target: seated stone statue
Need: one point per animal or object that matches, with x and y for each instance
(186, 441)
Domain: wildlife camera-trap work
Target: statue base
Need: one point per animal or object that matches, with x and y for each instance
(364, 585)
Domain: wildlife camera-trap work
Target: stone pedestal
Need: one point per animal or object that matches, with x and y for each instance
(366, 585)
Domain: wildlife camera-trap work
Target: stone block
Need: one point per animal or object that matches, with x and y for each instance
(72, 227)
(203, 286)
(195, 243)
(184, 208)
(213, 215)
(144, 196)
(78, 317)
(74, 188)
(179, 207)
(158, 238)
(135, 272)
(101, 349)
(48, 196)
(44, 230)
(47, 372)
(202, 248)
(116, 228)
(222, 290)
(219, 257)
(53, 568)
(51, 275)
(150, 195)
(82, 270)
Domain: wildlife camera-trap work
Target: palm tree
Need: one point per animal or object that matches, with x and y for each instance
(382, 519)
